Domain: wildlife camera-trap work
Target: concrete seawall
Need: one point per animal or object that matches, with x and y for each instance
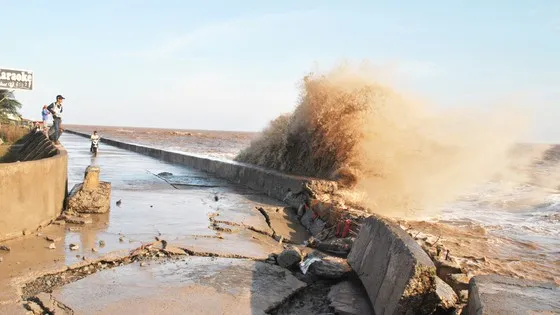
(32, 185)
(272, 183)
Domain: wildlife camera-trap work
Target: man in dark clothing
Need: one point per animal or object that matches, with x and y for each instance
(56, 111)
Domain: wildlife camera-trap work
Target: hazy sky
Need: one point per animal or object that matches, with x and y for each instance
(237, 64)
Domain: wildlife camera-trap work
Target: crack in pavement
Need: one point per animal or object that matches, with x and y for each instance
(272, 233)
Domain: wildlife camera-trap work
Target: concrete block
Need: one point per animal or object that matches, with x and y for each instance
(495, 294)
(91, 178)
(397, 274)
(92, 196)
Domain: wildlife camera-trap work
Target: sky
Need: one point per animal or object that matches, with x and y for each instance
(235, 65)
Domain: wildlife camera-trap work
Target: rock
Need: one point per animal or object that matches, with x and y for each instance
(52, 246)
(336, 246)
(34, 307)
(446, 297)
(495, 294)
(53, 238)
(5, 248)
(165, 174)
(349, 298)
(26, 232)
(101, 243)
(446, 267)
(330, 268)
(93, 249)
(458, 281)
(142, 264)
(464, 296)
(396, 272)
(59, 222)
(289, 257)
(271, 259)
(74, 247)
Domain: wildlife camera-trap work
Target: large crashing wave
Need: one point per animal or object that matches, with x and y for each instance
(403, 154)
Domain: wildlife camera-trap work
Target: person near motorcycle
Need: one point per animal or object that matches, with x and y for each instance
(94, 140)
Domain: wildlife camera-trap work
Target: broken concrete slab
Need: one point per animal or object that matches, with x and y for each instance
(90, 201)
(446, 297)
(92, 196)
(458, 281)
(329, 267)
(350, 298)
(495, 294)
(221, 286)
(397, 274)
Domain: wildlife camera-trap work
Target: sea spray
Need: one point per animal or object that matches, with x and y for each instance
(399, 156)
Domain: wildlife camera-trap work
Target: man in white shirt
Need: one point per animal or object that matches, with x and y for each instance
(94, 140)
(56, 111)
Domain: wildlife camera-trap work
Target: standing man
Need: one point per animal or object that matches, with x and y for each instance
(56, 110)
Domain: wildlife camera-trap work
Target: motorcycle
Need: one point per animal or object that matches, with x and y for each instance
(94, 146)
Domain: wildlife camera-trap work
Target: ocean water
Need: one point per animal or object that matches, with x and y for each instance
(510, 225)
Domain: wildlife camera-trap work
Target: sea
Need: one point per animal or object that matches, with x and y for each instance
(502, 226)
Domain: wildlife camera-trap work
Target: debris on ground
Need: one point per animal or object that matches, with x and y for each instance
(289, 257)
(329, 267)
(52, 246)
(74, 247)
(5, 248)
(53, 238)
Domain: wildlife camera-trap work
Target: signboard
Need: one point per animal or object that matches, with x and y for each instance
(16, 79)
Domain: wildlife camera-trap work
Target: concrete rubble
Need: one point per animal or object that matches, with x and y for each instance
(289, 257)
(92, 196)
(397, 274)
(329, 267)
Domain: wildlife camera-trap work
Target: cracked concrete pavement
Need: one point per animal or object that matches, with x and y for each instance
(179, 208)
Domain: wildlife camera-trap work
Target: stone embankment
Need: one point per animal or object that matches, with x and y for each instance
(32, 185)
(399, 273)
